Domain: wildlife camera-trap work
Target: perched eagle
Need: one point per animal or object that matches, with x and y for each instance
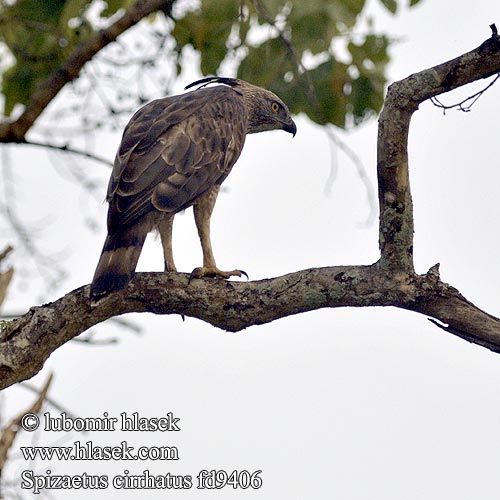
(176, 152)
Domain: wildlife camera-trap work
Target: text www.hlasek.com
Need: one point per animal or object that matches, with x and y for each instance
(88, 451)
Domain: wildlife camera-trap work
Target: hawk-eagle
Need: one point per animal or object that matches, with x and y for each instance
(176, 152)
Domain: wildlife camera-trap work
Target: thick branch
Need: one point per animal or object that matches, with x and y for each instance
(15, 131)
(402, 100)
(27, 342)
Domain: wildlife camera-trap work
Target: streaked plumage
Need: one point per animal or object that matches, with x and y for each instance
(176, 152)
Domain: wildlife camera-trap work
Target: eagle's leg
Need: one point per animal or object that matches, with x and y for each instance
(165, 229)
(202, 213)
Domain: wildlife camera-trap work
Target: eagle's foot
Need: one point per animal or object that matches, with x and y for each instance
(213, 272)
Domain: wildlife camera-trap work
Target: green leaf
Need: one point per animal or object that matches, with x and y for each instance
(46, 12)
(319, 93)
(414, 2)
(365, 101)
(207, 30)
(329, 17)
(18, 83)
(311, 30)
(253, 69)
(272, 7)
(330, 98)
(373, 49)
(72, 9)
(390, 5)
(115, 5)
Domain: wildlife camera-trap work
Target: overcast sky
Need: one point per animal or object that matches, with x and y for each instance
(344, 404)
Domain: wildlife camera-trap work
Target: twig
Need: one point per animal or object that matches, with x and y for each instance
(461, 105)
(48, 400)
(10, 432)
(68, 149)
(5, 252)
(6, 276)
(90, 341)
(48, 267)
(361, 171)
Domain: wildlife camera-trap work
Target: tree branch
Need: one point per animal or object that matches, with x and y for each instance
(403, 99)
(5, 276)
(28, 341)
(68, 149)
(16, 131)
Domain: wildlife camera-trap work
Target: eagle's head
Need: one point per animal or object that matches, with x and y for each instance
(266, 111)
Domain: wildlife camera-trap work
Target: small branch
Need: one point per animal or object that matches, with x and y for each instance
(10, 432)
(90, 341)
(462, 105)
(5, 279)
(53, 403)
(6, 251)
(48, 266)
(361, 170)
(16, 131)
(5, 276)
(68, 149)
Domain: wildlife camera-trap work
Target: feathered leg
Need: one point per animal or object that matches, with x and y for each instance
(165, 229)
(203, 208)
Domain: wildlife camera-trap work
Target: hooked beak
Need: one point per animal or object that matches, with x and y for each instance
(290, 127)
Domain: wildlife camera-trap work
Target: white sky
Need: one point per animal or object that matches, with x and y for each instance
(341, 404)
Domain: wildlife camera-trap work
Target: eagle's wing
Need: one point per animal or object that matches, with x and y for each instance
(173, 151)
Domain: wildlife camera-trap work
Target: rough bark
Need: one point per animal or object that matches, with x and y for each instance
(27, 342)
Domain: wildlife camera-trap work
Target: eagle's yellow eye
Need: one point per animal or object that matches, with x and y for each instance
(275, 107)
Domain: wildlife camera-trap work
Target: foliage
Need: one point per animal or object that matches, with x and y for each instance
(307, 52)
(40, 35)
(322, 57)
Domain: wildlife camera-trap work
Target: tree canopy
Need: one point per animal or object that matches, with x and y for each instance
(324, 58)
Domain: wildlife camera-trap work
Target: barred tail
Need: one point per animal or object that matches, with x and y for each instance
(118, 261)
